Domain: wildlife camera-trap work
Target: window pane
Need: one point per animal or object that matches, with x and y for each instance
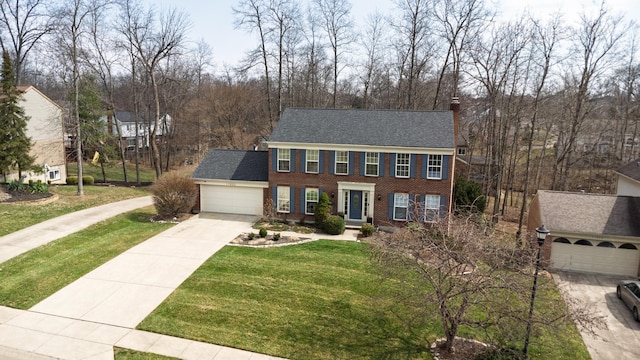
(342, 162)
(432, 207)
(283, 199)
(312, 161)
(284, 157)
(401, 202)
(371, 164)
(434, 167)
(402, 165)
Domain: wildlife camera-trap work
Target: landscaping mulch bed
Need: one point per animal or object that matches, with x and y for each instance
(244, 240)
(7, 196)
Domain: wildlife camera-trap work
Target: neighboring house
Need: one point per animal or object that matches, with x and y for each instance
(45, 128)
(379, 166)
(127, 122)
(589, 232)
(629, 179)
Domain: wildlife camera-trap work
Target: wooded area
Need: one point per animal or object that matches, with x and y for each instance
(545, 103)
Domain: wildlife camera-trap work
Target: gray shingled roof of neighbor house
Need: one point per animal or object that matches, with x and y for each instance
(631, 170)
(590, 213)
(234, 165)
(423, 129)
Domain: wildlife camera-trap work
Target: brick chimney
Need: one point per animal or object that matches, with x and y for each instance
(455, 107)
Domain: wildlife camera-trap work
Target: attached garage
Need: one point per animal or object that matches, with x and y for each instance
(594, 233)
(231, 199)
(232, 182)
(602, 257)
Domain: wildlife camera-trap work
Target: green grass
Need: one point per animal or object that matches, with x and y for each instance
(317, 300)
(14, 217)
(113, 172)
(31, 277)
(127, 354)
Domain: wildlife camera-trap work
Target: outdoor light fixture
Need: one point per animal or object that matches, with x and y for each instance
(541, 233)
(333, 195)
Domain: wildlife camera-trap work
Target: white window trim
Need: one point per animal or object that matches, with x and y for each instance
(395, 206)
(316, 161)
(281, 152)
(284, 198)
(407, 165)
(435, 210)
(435, 166)
(342, 162)
(376, 163)
(307, 191)
(56, 174)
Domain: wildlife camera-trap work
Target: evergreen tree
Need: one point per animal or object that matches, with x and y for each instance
(14, 143)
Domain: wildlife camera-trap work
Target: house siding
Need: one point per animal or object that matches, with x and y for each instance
(384, 185)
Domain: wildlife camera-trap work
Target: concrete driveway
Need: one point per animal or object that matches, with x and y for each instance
(621, 339)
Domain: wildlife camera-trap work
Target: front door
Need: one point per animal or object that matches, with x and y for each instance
(355, 205)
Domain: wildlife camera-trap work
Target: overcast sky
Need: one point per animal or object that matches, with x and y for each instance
(212, 20)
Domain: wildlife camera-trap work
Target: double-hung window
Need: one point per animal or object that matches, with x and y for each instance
(313, 158)
(400, 206)
(431, 208)
(284, 160)
(311, 200)
(54, 174)
(434, 167)
(372, 162)
(284, 200)
(402, 165)
(342, 162)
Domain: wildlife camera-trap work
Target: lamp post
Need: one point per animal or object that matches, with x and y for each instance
(541, 233)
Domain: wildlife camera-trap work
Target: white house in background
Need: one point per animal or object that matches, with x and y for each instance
(629, 179)
(46, 129)
(127, 122)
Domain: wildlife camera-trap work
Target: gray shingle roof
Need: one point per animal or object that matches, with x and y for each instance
(590, 213)
(631, 170)
(424, 129)
(234, 165)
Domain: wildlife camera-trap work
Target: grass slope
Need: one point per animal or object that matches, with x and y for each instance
(113, 172)
(31, 277)
(318, 300)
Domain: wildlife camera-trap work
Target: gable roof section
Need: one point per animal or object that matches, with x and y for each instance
(590, 213)
(234, 165)
(396, 128)
(631, 170)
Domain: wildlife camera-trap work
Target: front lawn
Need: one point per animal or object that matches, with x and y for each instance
(318, 300)
(113, 172)
(14, 217)
(31, 277)
(127, 354)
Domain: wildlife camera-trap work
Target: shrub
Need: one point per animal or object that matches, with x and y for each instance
(276, 237)
(174, 194)
(17, 185)
(367, 230)
(251, 236)
(88, 180)
(262, 232)
(38, 187)
(468, 196)
(322, 210)
(333, 225)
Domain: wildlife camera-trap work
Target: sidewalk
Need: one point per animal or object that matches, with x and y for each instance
(100, 310)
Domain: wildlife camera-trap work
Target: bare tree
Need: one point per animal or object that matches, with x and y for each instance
(460, 23)
(25, 23)
(336, 15)
(596, 43)
(372, 45)
(153, 37)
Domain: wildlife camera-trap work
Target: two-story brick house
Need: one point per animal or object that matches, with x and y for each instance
(384, 166)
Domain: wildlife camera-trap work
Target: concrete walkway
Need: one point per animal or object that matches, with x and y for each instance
(21, 241)
(101, 309)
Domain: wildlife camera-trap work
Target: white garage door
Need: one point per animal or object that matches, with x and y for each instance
(231, 199)
(599, 257)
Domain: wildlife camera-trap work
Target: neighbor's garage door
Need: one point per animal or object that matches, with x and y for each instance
(598, 257)
(231, 199)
